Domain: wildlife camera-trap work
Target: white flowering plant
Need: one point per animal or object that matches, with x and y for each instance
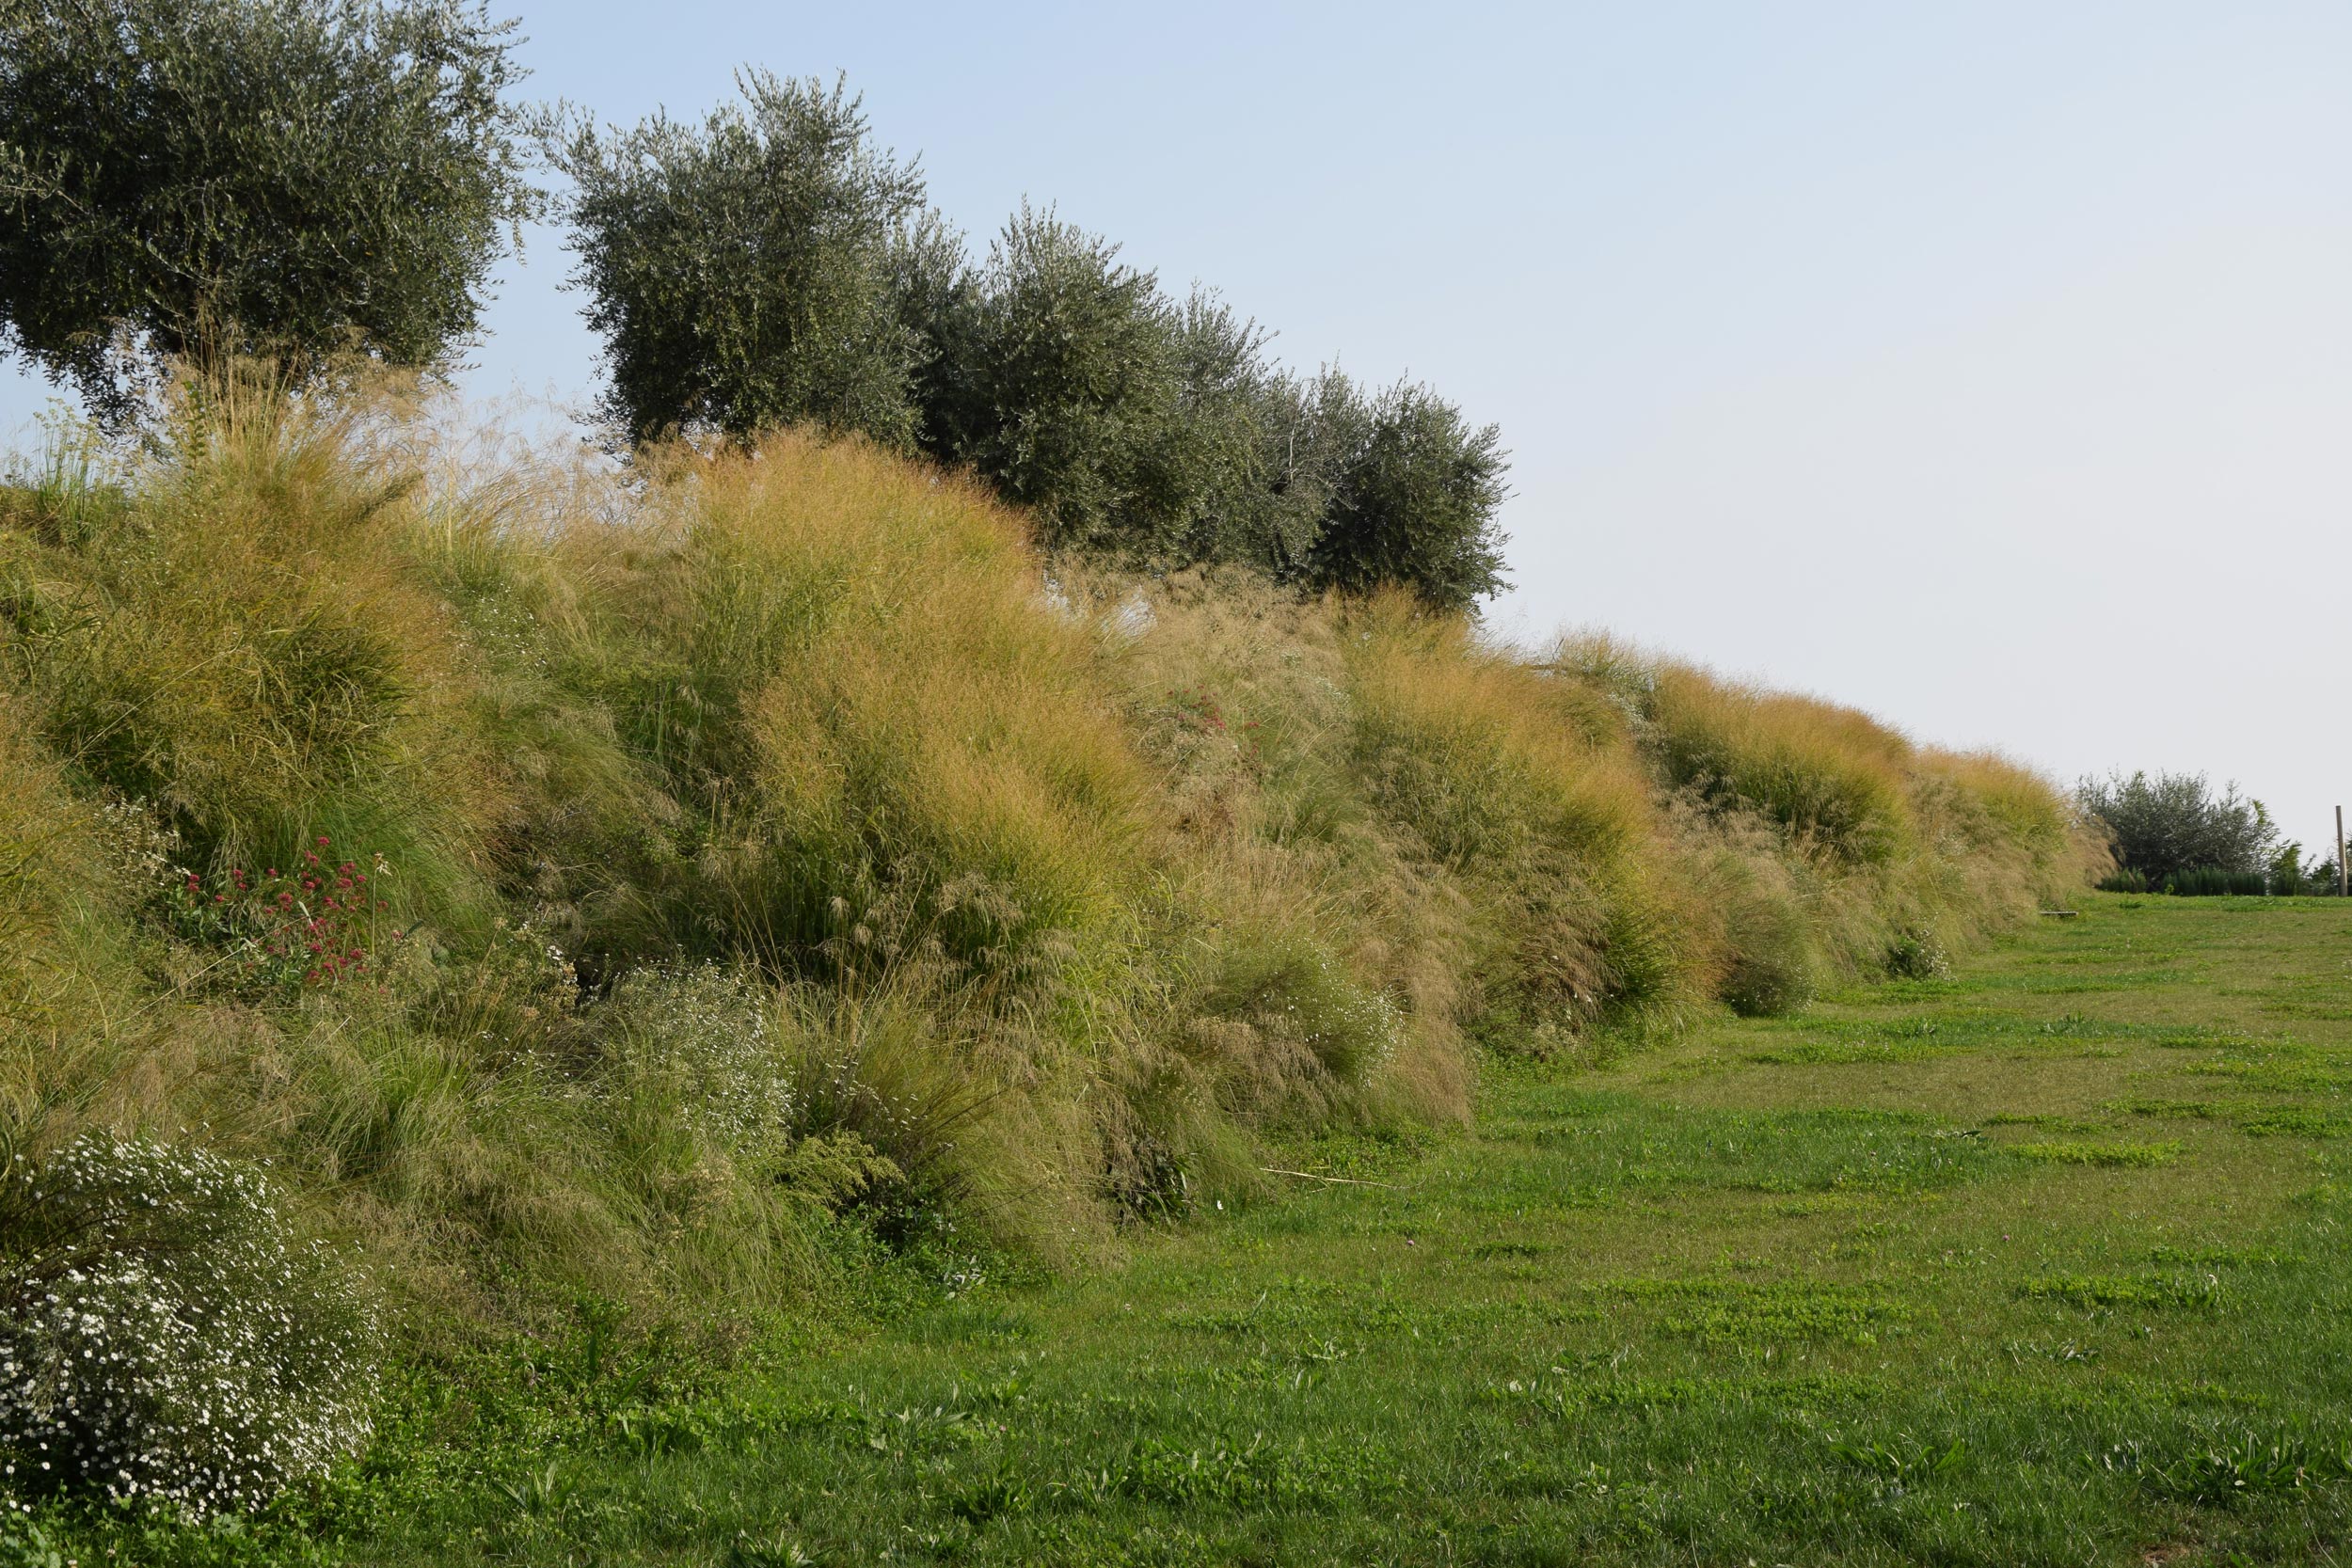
(165, 1339)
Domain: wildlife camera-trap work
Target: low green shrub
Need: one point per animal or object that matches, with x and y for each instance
(2207, 881)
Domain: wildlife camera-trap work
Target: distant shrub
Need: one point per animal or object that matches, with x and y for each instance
(164, 1337)
(2172, 822)
(744, 273)
(2213, 883)
(194, 176)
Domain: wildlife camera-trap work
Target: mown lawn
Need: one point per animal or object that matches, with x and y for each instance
(2047, 1262)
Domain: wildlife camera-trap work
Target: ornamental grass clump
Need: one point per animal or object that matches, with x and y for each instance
(164, 1339)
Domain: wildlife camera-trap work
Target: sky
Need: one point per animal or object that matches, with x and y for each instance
(1988, 367)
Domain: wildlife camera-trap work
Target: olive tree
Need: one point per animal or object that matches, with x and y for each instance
(1057, 373)
(291, 178)
(2168, 822)
(1414, 490)
(745, 272)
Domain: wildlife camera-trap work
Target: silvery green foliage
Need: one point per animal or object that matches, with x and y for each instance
(742, 271)
(167, 1340)
(2168, 822)
(280, 176)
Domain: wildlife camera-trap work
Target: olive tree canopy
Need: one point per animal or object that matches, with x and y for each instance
(290, 179)
(745, 272)
(2168, 822)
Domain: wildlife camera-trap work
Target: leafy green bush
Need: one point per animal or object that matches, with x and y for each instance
(1413, 501)
(744, 273)
(193, 175)
(164, 1337)
(1068, 390)
(2172, 822)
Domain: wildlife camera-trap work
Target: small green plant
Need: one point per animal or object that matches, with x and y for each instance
(2182, 1291)
(2113, 1156)
(2228, 1466)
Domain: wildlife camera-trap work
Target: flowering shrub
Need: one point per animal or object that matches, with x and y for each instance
(704, 1038)
(312, 926)
(1291, 989)
(164, 1339)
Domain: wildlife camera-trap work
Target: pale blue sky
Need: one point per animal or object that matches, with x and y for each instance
(1988, 366)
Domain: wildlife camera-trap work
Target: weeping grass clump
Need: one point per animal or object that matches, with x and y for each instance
(1524, 787)
(773, 863)
(1826, 774)
(905, 734)
(237, 636)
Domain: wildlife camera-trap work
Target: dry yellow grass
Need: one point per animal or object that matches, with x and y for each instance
(1828, 774)
(1059, 895)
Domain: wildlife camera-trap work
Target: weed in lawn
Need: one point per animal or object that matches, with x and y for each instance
(2114, 1156)
(2184, 1291)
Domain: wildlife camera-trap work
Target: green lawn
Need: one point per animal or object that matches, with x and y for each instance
(2044, 1263)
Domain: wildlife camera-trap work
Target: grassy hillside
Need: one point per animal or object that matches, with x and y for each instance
(2043, 1263)
(680, 897)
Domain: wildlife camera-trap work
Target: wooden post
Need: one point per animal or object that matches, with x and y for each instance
(2344, 875)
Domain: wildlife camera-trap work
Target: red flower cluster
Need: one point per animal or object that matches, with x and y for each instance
(1199, 710)
(310, 927)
